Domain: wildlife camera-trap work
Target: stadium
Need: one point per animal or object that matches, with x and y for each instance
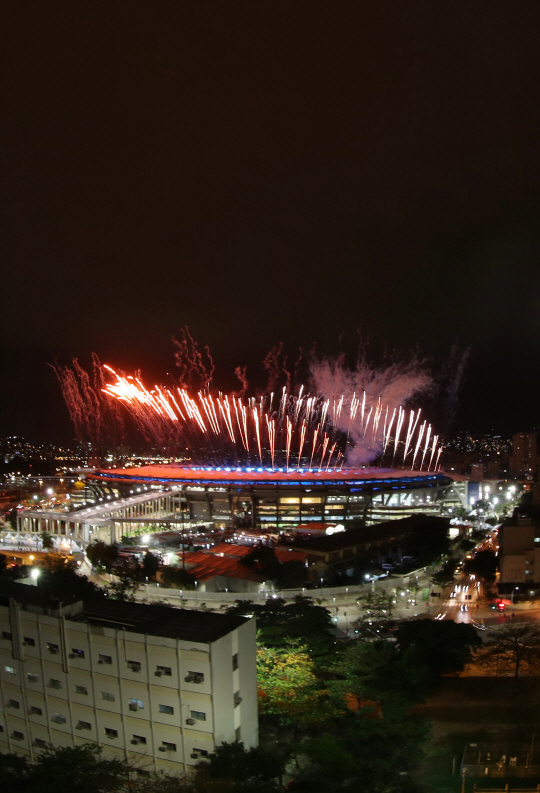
(258, 497)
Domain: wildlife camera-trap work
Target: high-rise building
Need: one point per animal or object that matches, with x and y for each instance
(155, 685)
(524, 458)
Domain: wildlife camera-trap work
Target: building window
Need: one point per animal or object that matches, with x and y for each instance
(167, 747)
(77, 653)
(200, 752)
(194, 677)
(237, 699)
(104, 659)
(166, 709)
(111, 733)
(58, 718)
(81, 690)
(237, 734)
(17, 736)
(164, 670)
(135, 666)
(136, 739)
(6, 635)
(40, 743)
(235, 662)
(32, 678)
(13, 703)
(35, 711)
(54, 684)
(84, 725)
(29, 642)
(107, 696)
(10, 670)
(136, 704)
(197, 714)
(54, 649)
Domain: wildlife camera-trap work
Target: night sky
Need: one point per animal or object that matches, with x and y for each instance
(267, 172)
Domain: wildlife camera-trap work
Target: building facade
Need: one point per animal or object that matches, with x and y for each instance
(158, 686)
(519, 554)
(524, 459)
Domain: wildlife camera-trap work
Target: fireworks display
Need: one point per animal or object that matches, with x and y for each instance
(278, 430)
(353, 416)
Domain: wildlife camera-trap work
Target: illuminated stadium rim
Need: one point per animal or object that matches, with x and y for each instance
(395, 482)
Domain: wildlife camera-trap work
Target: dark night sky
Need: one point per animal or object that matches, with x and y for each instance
(265, 172)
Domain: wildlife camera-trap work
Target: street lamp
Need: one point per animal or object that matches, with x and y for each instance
(515, 589)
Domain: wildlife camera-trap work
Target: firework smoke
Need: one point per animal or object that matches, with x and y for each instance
(370, 393)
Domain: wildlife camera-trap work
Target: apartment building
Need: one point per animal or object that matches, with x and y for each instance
(155, 685)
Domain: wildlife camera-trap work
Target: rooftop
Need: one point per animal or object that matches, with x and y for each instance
(196, 626)
(173, 623)
(352, 537)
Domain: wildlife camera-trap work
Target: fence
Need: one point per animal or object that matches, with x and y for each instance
(329, 594)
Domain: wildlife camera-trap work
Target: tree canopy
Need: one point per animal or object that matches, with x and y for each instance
(264, 561)
(280, 622)
(79, 768)
(102, 555)
(511, 648)
(443, 647)
(483, 565)
(288, 687)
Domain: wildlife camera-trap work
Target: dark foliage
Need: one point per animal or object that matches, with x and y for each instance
(79, 768)
(279, 622)
(483, 565)
(442, 647)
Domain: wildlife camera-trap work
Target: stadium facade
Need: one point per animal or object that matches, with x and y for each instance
(126, 502)
(258, 497)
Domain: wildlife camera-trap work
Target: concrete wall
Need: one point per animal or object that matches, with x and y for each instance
(71, 695)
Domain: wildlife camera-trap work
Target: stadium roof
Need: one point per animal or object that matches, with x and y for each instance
(227, 476)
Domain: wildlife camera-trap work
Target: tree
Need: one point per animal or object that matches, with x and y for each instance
(377, 671)
(465, 544)
(377, 605)
(243, 769)
(443, 647)
(280, 622)
(446, 575)
(56, 562)
(47, 541)
(177, 578)
(377, 616)
(124, 590)
(263, 560)
(288, 687)
(483, 565)
(66, 585)
(511, 647)
(150, 564)
(130, 579)
(78, 768)
(102, 555)
(429, 538)
(291, 575)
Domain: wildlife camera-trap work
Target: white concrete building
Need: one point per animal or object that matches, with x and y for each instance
(155, 685)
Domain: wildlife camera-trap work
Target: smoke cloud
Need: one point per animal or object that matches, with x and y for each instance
(384, 388)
